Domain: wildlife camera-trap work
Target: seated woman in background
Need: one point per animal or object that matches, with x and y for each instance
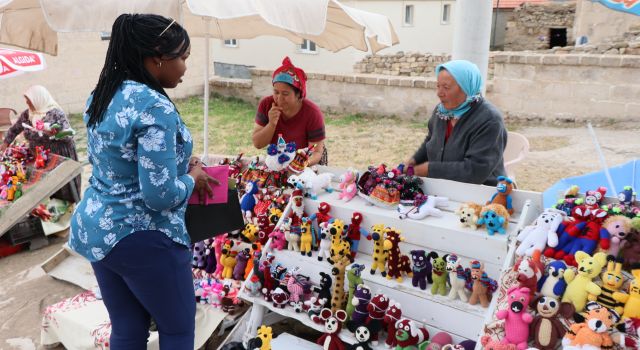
(42, 107)
(467, 136)
(288, 112)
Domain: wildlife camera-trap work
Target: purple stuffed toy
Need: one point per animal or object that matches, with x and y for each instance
(422, 268)
(241, 264)
(361, 299)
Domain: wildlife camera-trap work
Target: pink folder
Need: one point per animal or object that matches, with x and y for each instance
(220, 192)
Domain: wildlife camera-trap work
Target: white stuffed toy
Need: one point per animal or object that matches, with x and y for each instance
(541, 233)
(280, 154)
(423, 207)
(469, 214)
(325, 241)
(314, 183)
(292, 238)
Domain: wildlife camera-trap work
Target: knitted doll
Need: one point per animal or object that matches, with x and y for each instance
(593, 333)
(546, 329)
(241, 263)
(421, 268)
(248, 199)
(542, 233)
(375, 321)
(306, 237)
(410, 335)
(278, 240)
(228, 260)
(469, 214)
(458, 278)
(503, 194)
(516, 317)
(397, 263)
(552, 283)
(354, 279)
(495, 218)
(438, 341)
(218, 242)
(439, 274)
(338, 298)
(612, 280)
(199, 259)
(280, 154)
(361, 299)
(362, 335)
(354, 231)
(581, 285)
(325, 241)
(348, 185)
(529, 271)
(324, 291)
(391, 317)
(631, 300)
(381, 248)
(483, 286)
(618, 227)
(330, 340)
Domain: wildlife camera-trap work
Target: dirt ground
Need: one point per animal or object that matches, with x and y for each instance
(556, 152)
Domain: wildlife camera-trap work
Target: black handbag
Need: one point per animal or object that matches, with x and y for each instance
(207, 221)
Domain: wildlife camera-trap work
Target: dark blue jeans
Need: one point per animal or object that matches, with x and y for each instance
(148, 275)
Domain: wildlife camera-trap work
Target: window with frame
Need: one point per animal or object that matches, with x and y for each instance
(446, 14)
(231, 43)
(408, 15)
(308, 46)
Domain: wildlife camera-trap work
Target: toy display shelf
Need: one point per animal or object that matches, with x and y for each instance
(441, 234)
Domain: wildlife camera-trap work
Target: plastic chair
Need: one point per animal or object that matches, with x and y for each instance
(5, 120)
(515, 152)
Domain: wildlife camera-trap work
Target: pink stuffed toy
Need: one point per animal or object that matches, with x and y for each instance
(517, 319)
(278, 241)
(217, 247)
(348, 185)
(490, 344)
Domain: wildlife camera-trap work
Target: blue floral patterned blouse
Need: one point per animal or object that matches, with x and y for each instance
(140, 155)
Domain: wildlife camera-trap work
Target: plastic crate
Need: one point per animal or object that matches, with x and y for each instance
(25, 230)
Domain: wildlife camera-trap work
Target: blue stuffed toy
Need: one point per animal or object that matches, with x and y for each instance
(495, 218)
(552, 284)
(248, 200)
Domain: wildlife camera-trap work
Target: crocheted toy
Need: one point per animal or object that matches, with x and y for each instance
(421, 268)
(339, 247)
(626, 204)
(593, 198)
(618, 227)
(547, 329)
(348, 185)
(578, 214)
(324, 291)
(458, 278)
(530, 270)
(631, 251)
(354, 231)
(541, 233)
(248, 200)
(280, 154)
(293, 239)
(296, 285)
(297, 210)
(580, 286)
(469, 214)
(253, 286)
(439, 274)
(503, 194)
(593, 333)
(495, 218)
(218, 242)
(612, 280)
(391, 317)
(397, 263)
(301, 160)
(322, 215)
(325, 241)
(330, 340)
(278, 239)
(375, 321)
(381, 248)
(254, 252)
(338, 297)
(586, 235)
(516, 317)
(241, 263)
(439, 340)
(422, 207)
(314, 305)
(306, 237)
(198, 251)
(314, 183)
(229, 299)
(483, 286)
(279, 298)
(631, 300)
(360, 300)
(250, 232)
(489, 344)
(552, 283)
(41, 157)
(265, 335)
(228, 259)
(354, 279)
(362, 335)
(410, 335)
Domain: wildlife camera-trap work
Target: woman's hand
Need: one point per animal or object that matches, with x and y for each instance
(274, 114)
(202, 181)
(3, 147)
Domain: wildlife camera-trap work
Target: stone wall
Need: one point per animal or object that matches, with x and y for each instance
(534, 86)
(627, 43)
(410, 64)
(528, 29)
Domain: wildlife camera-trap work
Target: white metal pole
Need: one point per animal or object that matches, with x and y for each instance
(472, 33)
(205, 129)
(603, 162)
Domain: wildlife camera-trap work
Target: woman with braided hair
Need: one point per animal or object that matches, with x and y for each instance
(130, 223)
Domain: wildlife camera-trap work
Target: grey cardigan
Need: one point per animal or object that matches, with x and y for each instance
(474, 151)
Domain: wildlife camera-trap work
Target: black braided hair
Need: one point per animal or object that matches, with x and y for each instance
(133, 38)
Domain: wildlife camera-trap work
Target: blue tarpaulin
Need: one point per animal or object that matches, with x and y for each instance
(629, 6)
(627, 174)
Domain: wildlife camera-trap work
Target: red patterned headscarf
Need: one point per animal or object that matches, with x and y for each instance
(290, 74)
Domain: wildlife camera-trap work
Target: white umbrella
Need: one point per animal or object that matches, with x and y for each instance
(32, 24)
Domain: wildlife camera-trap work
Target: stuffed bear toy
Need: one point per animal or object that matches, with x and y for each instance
(581, 285)
(618, 227)
(362, 335)
(542, 233)
(469, 214)
(546, 329)
(516, 317)
(503, 194)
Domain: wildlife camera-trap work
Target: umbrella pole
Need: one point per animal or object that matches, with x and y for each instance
(205, 128)
(603, 162)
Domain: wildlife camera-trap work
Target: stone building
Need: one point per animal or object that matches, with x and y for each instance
(539, 26)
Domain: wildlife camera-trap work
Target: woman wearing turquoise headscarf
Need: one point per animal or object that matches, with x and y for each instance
(466, 136)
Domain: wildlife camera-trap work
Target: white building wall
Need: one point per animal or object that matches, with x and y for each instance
(427, 34)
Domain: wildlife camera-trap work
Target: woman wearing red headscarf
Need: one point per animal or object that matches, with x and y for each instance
(288, 112)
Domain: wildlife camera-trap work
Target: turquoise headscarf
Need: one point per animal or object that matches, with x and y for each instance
(468, 77)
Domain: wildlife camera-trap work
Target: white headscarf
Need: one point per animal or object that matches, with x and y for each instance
(41, 100)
